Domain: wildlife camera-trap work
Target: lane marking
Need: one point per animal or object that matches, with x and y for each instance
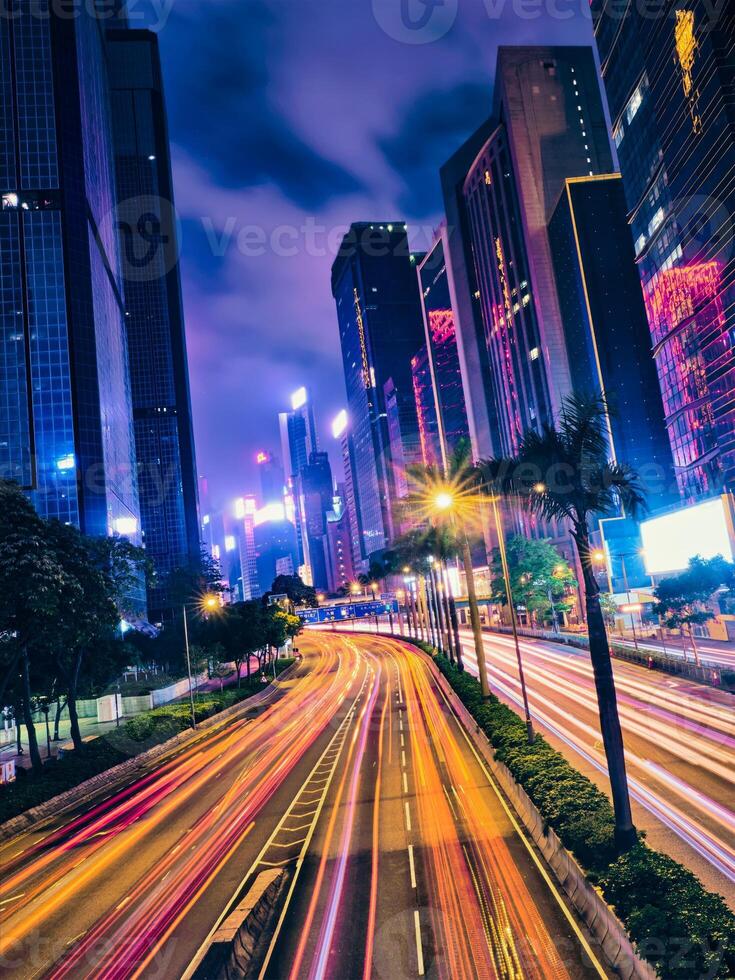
(405, 784)
(408, 817)
(403, 759)
(411, 866)
(419, 946)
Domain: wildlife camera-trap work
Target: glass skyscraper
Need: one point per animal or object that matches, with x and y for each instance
(66, 431)
(669, 82)
(155, 320)
(550, 125)
(376, 291)
(441, 345)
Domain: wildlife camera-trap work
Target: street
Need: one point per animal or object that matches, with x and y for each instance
(355, 775)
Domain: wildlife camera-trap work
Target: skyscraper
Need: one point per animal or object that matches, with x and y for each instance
(605, 327)
(316, 493)
(66, 432)
(441, 346)
(550, 125)
(472, 350)
(341, 431)
(376, 292)
(271, 477)
(669, 82)
(159, 375)
(298, 441)
(426, 414)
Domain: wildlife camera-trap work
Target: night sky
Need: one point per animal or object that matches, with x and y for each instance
(289, 120)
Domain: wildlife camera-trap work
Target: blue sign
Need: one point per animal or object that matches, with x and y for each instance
(349, 610)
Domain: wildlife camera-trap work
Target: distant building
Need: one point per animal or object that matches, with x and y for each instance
(669, 83)
(298, 441)
(340, 571)
(316, 491)
(441, 346)
(271, 477)
(375, 289)
(159, 376)
(66, 430)
(472, 347)
(605, 327)
(426, 411)
(341, 431)
(275, 546)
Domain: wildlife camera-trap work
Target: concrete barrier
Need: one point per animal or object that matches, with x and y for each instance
(603, 925)
(235, 948)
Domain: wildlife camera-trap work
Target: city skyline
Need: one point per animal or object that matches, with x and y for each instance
(388, 165)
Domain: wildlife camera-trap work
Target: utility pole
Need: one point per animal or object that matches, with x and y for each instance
(188, 668)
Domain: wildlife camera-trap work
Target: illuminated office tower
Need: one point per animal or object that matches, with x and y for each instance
(341, 431)
(340, 570)
(550, 125)
(426, 414)
(271, 477)
(246, 547)
(441, 347)
(66, 432)
(379, 314)
(316, 493)
(669, 83)
(276, 547)
(159, 375)
(298, 441)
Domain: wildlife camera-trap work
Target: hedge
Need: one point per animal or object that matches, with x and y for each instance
(134, 736)
(683, 930)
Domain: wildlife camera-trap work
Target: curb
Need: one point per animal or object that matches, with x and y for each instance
(52, 807)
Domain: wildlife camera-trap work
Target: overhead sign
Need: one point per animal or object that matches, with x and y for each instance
(345, 611)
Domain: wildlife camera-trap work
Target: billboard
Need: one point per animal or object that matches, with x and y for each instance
(671, 540)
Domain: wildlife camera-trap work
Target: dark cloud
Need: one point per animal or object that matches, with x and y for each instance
(228, 118)
(429, 132)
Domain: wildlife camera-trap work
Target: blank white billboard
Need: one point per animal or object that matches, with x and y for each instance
(670, 541)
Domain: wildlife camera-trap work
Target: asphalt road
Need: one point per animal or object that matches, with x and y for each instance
(403, 858)
(679, 743)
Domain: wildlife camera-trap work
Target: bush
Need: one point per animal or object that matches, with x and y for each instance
(683, 930)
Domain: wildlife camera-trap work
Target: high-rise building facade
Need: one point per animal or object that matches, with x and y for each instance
(605, 326)
(340, 571)
(669, 83)
(316, 492)
(159, 376)
(477, 377)
(270, 472)
(426, 414)
(550, 125)
(341, 432)
(379, 314)
(66, 432)
(440, 325)
(298, 441)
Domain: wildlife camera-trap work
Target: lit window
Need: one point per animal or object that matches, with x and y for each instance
(635, 101)
(533, 354)
(656, 221)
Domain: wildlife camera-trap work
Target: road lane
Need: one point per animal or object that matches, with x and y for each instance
(404, 860)
(419, 869)
(104, 888)
(679, 741)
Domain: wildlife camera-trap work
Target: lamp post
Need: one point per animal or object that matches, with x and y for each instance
(188, 669)
(445, 501)
(514, 624)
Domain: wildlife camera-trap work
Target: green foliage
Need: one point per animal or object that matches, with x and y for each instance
(293, 587)
(682, 599)
(540, 578)
(683, 930)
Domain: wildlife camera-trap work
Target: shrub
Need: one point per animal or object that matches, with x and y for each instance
(683, 930)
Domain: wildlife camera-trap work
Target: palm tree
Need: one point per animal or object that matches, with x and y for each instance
(564, 473)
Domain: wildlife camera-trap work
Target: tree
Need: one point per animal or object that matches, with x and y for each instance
(240, 630)
(293, 587)
(540, 578)
(609, 608)
(563, 473)
(34, 589)
(683, 600)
